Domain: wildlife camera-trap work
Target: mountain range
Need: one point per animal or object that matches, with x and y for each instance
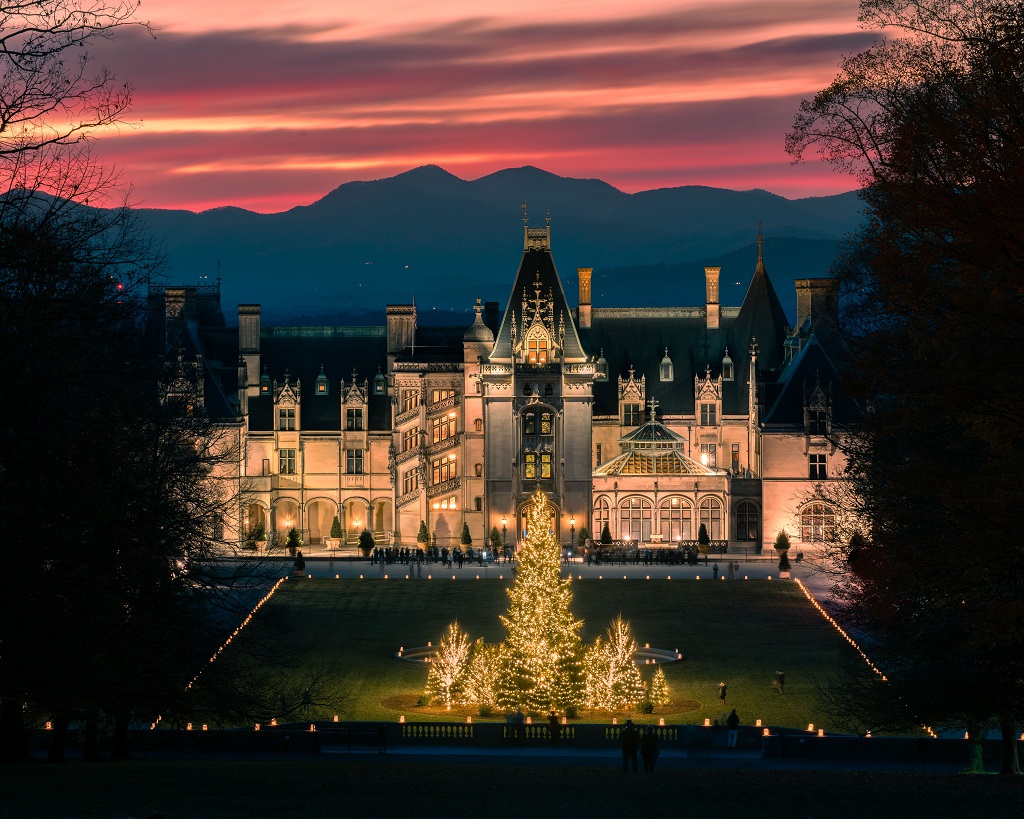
(444, 241)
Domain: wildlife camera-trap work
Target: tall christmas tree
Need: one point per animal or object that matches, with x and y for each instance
(540, 659)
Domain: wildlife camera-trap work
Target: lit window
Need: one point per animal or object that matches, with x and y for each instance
(747, 522)
(410, 399)
(537, 350)
(735, 458)
(410, 438)
(443, 428)
(286, 461)
(441, 470)
(709, 454)
(441, 395)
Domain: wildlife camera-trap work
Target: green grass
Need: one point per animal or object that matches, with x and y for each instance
(740, 633)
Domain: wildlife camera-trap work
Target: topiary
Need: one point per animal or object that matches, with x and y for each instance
(703, 541)
(336, 530)
(423, 536)
(782, 542)
(584, 536)
(606, 536)
(467, 538)
(783, 561)
(294, 541)
(495, 539)
(366, 540)
(647, 707)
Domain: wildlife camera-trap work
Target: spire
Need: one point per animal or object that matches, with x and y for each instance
(760, 250)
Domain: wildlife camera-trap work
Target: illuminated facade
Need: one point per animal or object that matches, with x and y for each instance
(648, 420)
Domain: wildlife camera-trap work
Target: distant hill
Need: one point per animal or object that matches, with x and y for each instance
(448, 241)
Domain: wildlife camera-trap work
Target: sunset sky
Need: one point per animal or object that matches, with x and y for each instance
(268, 105)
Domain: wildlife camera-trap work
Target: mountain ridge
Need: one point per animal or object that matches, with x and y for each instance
(368, 243)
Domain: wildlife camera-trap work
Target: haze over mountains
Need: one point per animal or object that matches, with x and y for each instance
(446, 241)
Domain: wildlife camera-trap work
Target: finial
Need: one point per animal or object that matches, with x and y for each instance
(760, 246)
(547, 217)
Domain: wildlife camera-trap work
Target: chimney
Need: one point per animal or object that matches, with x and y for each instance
(811, 298)
(711, 275)
(401, 320)
(585, 274)
(249, 344)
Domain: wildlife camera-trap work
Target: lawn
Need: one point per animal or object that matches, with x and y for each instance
(739, 633)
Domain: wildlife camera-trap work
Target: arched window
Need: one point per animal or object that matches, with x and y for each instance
(817, 523)
(748, 521)
(676, 520)
(635, 519)
(711, 517)
(602, 517)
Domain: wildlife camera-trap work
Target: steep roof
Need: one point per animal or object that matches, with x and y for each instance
(537, 278)
(811, 368)
(761, 317)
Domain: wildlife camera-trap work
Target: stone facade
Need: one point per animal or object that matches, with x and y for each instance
(648, 420)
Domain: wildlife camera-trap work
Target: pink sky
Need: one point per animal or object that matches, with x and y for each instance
(268, 105)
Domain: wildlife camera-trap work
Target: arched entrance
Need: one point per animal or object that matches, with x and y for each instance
(319, 517)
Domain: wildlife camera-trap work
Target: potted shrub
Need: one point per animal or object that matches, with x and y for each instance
(299, 565)
(782, 547)
(703, 541)
(495, 539)
(423, 536)
(366, 542)
(582, 538)
(606, 536)
(294, 542)
(337, 533)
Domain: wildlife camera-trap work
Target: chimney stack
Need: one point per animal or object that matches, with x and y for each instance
(585, 274)
(711, 275)
(811, 298)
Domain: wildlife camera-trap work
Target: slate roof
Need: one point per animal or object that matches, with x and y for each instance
(537, 270)
(812, 366)
(340, 350)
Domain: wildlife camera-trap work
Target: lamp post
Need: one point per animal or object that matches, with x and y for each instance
(572, 531)
(504, 522)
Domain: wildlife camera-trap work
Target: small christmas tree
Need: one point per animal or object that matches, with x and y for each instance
(584, 536)
(658, 692)
(449, 666)
(481, 681)
(782, 542)
(336, 530)
(423, 536)
(606, 536)
(366, 542)
(467, 538)
(495, 539)
(613, 680)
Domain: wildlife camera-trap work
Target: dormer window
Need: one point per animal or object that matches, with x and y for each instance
(321, 384)
(666, 367)
(264, 383)
(601, 368)
(380, 384)
(727, 367)
(537, 349)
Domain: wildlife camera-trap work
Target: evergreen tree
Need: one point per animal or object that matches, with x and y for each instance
(495, 539)
(658, 692)
(606, 536)
(584, 535)
(423, 536)
(703, 541)
(782, 542)
(294, 542)
(540, 658)
(481, 682)
(467, 538)
(336, 530)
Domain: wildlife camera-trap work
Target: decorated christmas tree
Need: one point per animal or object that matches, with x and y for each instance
(540, 659)
(658, 692)
(449, 666)
(612, 677)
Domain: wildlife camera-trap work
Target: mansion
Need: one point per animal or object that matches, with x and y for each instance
(651, 421)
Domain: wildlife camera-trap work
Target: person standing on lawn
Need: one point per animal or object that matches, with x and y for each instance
(733, 723)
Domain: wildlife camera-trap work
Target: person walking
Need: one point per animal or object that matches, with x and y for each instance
(629, 738)
(649, 749)
(722, 689)
(733, 724)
